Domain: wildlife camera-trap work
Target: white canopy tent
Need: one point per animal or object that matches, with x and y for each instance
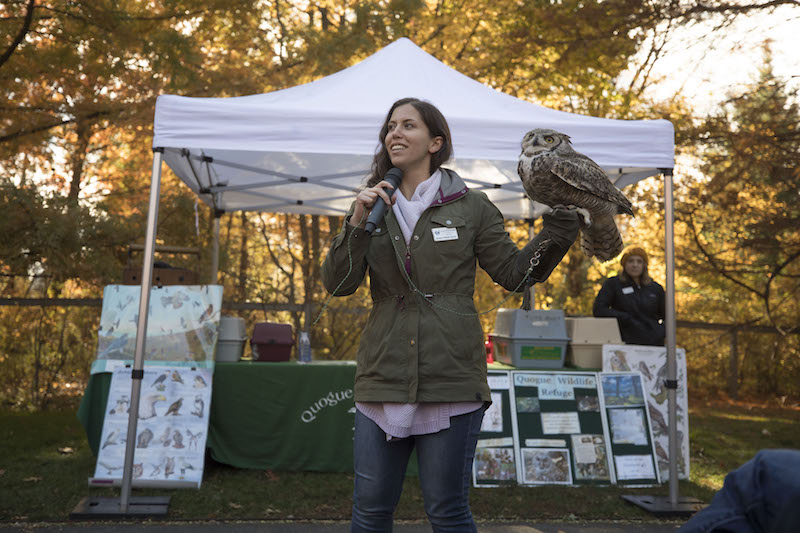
(306, 149)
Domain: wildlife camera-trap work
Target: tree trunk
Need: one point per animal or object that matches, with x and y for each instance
(37, 360)
(733, 365)
(78, 160)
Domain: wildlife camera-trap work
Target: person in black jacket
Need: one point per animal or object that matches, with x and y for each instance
(635, 300)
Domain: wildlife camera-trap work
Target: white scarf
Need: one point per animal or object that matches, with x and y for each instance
(408, 212)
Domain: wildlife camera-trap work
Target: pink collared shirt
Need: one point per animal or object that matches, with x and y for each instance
(401, 420)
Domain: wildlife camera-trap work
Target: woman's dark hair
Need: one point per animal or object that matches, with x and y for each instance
(437, 126)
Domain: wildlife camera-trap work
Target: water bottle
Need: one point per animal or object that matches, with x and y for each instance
(304, 348)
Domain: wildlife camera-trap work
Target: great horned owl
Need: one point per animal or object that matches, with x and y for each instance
(553, 173)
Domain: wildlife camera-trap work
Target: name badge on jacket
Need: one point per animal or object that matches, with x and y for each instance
(627, 290)
(445, 234)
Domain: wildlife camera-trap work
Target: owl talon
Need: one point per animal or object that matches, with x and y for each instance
(584, 213)
(586, 217)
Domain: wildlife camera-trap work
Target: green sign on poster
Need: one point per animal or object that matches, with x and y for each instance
(561, 437)
(547, 353)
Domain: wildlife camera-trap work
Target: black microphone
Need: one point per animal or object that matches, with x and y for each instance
(393, 177)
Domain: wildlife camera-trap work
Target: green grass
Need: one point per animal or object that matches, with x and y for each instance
(722, 437)
(45, 462)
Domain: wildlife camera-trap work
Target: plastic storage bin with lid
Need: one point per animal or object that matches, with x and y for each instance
(587, 337)
(231, 339)
(530, 339)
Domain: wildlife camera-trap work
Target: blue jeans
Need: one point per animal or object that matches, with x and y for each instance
(761, 496)
(445, 473)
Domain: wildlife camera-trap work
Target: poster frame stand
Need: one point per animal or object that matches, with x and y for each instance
(95, 508)
(664, 506)
(144, 507)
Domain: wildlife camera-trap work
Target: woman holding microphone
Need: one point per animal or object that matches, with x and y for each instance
(421, 365)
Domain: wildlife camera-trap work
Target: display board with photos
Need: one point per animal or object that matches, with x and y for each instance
(495, 462)
(182, 326)
(651, 362)
(171, 433)
(630, 436)
(559, 429)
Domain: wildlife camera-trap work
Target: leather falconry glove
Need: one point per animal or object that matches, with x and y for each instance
(546, 249)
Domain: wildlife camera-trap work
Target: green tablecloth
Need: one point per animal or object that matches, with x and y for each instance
(277, 416)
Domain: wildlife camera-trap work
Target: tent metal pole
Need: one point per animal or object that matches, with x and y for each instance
(141, 328)
(669, 322)
(672, 505)
(215, 252)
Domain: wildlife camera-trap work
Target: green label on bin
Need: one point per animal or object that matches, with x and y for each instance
(549, 353)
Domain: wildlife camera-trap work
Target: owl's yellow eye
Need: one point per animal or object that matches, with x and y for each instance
(549, 140)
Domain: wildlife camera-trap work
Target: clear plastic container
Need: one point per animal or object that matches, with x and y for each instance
(304, 348)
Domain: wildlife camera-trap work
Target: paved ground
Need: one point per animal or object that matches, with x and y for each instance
(331, 527)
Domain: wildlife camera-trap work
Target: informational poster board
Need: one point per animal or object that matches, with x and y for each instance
(495, 458)
(171, 432)
(182, 326)
(559, 429)
(630, 437)
(651, 362)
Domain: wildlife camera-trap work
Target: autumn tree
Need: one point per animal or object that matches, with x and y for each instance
(81, 80)
(742, 214)
(739, 220)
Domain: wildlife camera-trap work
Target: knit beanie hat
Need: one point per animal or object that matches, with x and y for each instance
(633, 250)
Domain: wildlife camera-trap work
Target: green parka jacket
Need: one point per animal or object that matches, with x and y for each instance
(426, 347)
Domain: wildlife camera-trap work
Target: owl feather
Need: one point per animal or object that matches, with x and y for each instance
(554, 174)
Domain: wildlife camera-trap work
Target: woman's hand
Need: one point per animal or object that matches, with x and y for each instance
(366, 199)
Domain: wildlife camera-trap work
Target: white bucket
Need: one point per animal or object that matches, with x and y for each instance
(231, 339)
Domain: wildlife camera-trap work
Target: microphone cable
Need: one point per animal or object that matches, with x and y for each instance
(534, 262)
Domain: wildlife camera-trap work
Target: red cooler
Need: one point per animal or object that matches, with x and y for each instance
(272, 342)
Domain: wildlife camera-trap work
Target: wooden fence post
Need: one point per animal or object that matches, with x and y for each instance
(733, 366)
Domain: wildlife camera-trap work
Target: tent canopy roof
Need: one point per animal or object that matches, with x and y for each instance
(305, 149)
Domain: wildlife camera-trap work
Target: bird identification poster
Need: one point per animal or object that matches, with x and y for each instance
(495, 463)
(631, 439)
(651, 362)
(559, 427)
(171, 430)
(182, 325)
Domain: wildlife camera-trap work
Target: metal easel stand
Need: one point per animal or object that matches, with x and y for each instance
(674, 504)
(94, 508)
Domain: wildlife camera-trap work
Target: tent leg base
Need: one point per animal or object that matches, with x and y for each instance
(662, 506)
(109, 508)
